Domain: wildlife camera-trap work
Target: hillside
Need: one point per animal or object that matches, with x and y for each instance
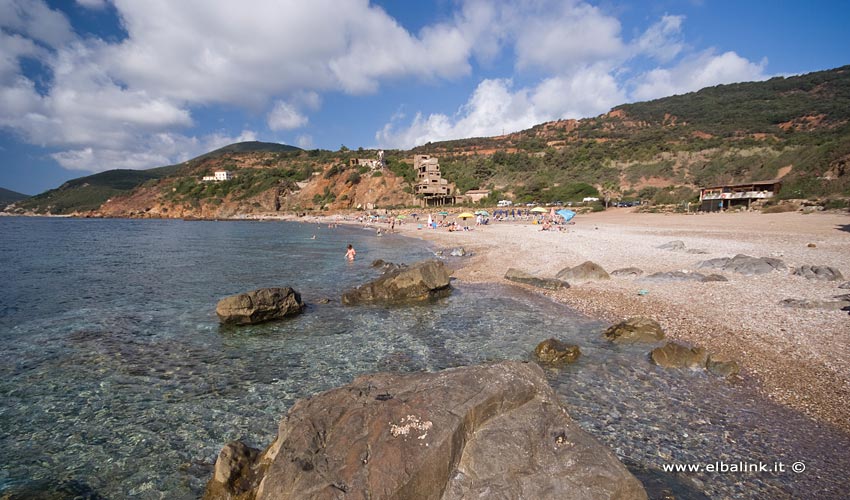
(795, 128)
(7, 197)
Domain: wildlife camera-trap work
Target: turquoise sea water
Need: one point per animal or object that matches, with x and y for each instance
(117, 381)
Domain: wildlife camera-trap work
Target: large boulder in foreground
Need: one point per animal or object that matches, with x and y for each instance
(420, 281)
(585, 271)
(518, 276)
(635, 330)
(489, 431)
(257, 306)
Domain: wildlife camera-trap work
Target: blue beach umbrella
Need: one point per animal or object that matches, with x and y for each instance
(566, 214)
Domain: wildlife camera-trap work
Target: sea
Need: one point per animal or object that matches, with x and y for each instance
(117, 380)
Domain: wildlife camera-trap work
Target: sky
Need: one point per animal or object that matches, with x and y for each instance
(94, 85)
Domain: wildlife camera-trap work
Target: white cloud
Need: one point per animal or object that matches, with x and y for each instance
(304, 141)
(35, 20)
(495, 108)
(662, 40)
(699, 71)
(92, 4)
(284, 116)
(157, 150)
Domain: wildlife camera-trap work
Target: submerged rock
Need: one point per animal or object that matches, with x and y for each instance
(523, 277)
(585, 271)
(676, 355)
(635, 330)
(257, 306)
(494, 431)
(822, 273)
(420, 281)
(554, 351)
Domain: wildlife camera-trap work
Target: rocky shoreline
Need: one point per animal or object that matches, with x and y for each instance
(790, 354)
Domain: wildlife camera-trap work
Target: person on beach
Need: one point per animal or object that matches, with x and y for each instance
(350, 253)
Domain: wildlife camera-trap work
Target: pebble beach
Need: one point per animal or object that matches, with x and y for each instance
(795, 356)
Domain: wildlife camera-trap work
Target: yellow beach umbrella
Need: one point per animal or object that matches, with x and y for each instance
(539, 210)
(465, 215)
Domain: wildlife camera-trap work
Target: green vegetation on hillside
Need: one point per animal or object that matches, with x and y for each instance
(7, 197)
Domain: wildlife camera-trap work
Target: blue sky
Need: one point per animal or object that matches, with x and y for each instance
(92, 85)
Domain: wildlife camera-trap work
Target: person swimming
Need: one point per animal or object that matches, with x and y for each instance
(350, 253)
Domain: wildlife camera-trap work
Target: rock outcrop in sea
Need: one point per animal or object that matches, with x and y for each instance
(494, 431)
(555, 352)
(424, 280)
(635, 330)
(257, 306)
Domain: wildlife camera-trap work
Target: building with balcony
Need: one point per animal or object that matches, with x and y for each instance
(748, 194)
(430, 185)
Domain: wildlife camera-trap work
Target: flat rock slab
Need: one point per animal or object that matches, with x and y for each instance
(420, 281)
(744, 264)
(518, 276)
(821, 273)
(683, 276)
(829, 305)
(627, 271)
(257, 306)
(635, 330)
(489, 431)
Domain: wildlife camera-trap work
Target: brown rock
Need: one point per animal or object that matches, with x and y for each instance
(235, 475)
(554, 351)
(635, 330)
(420, 281)
(675, 355)
(722, 367)
(546, 283)
(495, 431)
(257, 306)
(584, 271)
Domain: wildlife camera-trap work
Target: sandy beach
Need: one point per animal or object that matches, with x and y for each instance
(797, 357)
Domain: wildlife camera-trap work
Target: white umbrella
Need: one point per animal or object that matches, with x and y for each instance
(429, 220)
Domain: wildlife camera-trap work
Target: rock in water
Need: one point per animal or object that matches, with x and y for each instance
(257, 306)
(675, 355)
(523, 277)
(420, 281)
(635, 330)
(489, 431)
(554, 351)
(585, 271)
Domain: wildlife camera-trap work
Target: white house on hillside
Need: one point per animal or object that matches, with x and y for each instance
(219, 175)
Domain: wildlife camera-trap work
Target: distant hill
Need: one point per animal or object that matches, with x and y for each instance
(661, 151)
(7, 197)
(797, 128)
(90, 192)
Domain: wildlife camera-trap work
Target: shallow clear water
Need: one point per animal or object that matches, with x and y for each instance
(118, 381)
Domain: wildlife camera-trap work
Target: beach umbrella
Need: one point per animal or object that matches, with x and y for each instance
(442, 213)
(566, 214)
(430, 221)
(539, 210)
(465, 215)
(483, 213)
(401, 217)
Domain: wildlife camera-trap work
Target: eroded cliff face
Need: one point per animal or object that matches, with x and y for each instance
(259, 187)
